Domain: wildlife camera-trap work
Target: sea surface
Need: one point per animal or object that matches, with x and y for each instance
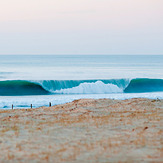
(40, 79)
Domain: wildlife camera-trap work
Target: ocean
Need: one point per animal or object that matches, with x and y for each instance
(40, 79)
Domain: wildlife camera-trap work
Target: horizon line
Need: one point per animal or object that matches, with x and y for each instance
(81, 54)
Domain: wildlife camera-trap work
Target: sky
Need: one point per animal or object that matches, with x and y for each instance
(81, 27)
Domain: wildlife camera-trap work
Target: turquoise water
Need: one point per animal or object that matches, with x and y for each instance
(49, 87)
(71, 76)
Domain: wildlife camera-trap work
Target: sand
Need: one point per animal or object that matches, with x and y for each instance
(85, 130)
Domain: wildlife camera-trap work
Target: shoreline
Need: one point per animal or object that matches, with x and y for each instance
(20, 102)
(100, 130)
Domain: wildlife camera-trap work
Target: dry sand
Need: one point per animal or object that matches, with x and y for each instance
(84, 130)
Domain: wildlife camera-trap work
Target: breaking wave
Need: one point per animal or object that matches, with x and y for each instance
(45, 87)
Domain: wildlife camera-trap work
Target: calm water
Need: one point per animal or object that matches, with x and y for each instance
(52, 67)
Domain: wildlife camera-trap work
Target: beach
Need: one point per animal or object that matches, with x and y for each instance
(85, 130)
(81, 81)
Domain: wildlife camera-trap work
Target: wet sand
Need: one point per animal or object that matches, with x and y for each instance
(85, 130)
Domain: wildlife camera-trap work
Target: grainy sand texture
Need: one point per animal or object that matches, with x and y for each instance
(85, 130)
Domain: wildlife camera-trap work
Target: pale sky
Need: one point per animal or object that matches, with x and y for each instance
(81, 26)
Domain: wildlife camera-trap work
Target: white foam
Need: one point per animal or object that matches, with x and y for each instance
(91, 88)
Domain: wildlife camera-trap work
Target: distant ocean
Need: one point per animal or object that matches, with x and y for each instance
(40, 79)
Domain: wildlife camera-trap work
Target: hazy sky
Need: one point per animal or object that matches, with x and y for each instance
(81, 26)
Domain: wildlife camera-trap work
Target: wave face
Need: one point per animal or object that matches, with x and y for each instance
(45, 87)
(144, 85)
(20, 87)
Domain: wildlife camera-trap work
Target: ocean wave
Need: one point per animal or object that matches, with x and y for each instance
(20, 87)
(144, 85)
(45, 87)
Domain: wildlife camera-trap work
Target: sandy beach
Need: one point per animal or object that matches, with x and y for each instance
(85, 130)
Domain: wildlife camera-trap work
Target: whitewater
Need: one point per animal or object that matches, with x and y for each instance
(40, 79)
